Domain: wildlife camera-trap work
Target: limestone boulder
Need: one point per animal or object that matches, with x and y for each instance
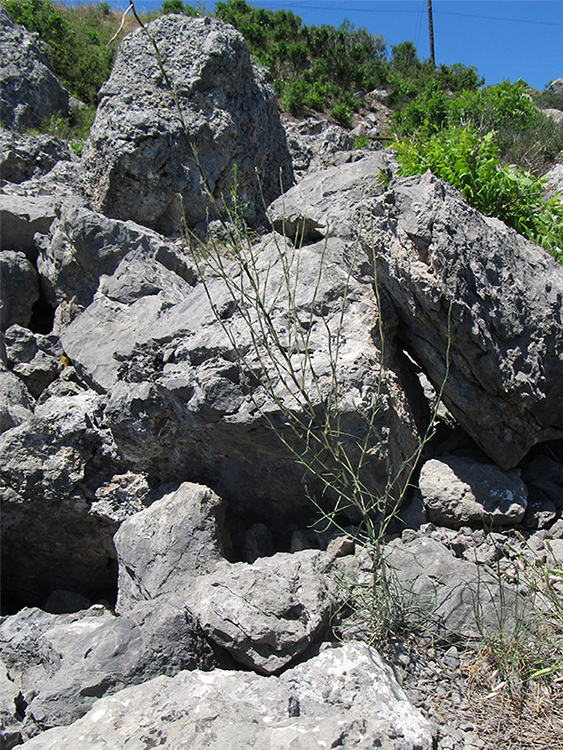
(267, 613)
(345, 697)
(460, 492)
(179, 406)
(141, 164)
(84, 245)
(16, 402)
(33, 357)
(30, 91)
(164, 548)
(46, 461)
(61, 665)
(25, 156)
(504, 333)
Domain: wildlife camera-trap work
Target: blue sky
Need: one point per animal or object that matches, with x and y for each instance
(501, 38)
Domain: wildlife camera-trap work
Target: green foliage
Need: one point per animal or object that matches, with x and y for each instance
(312, 67)
(177, 6)
(409, 77)
(73, 129)
(471, 164)
(524, 135)
(549, 100)
(77, 41)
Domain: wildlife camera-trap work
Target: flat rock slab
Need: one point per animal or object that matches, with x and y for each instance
(346, 697)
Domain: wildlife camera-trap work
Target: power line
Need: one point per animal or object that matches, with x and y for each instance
(310, 7)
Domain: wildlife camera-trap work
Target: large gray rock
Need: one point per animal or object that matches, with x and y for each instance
(447, 596)
(178, 407)
(16, 402)
(60, 665)
(141, 164)
(267, 613)
(34, 357)
(345, 697)
(84, 245)
(48, 462)
(30, 91)
(459, 492)
(25, 156)
(22, 217)
(505, 382)
(19, 289)
(162, 549)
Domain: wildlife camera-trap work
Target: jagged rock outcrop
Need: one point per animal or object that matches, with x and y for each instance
(16, 402)
(45, 461)
(505, 332)
(346, 697)
(140, 163)
(23, 157)
(163, 549)
(29, 90)
(84, 245)
(61, 665)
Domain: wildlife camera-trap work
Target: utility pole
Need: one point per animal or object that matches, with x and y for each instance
(431, 30)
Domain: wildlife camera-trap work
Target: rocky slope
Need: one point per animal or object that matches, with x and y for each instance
(166, 579)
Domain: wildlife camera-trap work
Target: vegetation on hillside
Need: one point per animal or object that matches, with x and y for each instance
(477, 137)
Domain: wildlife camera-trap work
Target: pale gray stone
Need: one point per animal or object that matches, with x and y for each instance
(25, 156)
(505, 333)
(19, 289)
(346, 697)
(140, 161)
(163, 548)
(267, 613)
(16, 402)
(22, 217)
(30, 91)
(459, 491)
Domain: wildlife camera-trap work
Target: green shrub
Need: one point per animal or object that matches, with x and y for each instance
(471, 163)
(342, 114)
(524, 135)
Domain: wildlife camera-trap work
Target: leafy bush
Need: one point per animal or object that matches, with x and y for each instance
(471, 164)
(177, 6)
(311, 66)
(524, 135)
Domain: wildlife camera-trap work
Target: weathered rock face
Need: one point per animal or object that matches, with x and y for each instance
(346, 697)
(140, 162)
(44, 463)
(30, 91)
(505, 382)
(25, 156)
(82, 246)
(16, 403)
(163, 549)
(60, 666)
(267, 613)
(151, 341)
